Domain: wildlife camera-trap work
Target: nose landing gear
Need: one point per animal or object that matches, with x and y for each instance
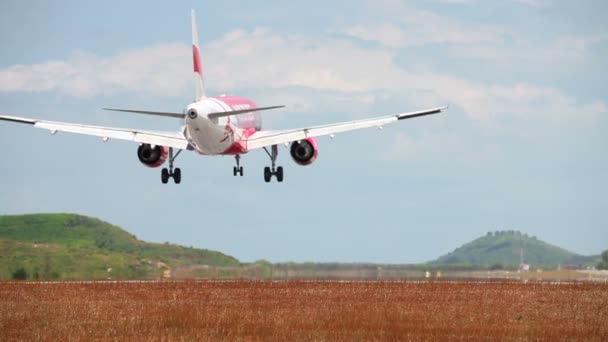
(237, 170)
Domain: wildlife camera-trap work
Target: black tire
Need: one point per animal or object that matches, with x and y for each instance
(177, 175)
(164, 176)
(267, 174)
(234, 171)
(279, 174)
(241, 171)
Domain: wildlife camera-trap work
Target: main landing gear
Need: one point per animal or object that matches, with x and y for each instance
(237, 170)
(171, 173)
(274, 171)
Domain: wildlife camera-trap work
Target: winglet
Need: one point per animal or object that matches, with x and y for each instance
(421, 113)
(196, 62)
(17, 119)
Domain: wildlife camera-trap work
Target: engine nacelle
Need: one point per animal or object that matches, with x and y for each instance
(152, 156)
(304, 152)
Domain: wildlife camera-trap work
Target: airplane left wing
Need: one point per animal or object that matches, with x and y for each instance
(267, 138)
(168, 139)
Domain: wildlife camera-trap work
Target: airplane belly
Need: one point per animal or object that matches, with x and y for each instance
(208, 138)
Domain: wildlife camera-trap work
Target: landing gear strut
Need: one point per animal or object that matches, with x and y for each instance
(171, 173)
(274, 171)
(237, 170)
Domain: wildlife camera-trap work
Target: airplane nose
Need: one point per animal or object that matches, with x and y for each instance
(192, 114)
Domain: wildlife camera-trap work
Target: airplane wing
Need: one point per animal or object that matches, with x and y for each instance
(267, 138)
(169, 139)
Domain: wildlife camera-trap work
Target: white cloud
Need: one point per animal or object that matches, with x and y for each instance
(157, 70)
(420, 27)
(406, 25)
(560, 51)
(265, 59)
(534, 3)
(386, 34)
(335, 65)
(457, 2)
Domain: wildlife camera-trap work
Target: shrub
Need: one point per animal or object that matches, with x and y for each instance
(20, 274)
(603, 265)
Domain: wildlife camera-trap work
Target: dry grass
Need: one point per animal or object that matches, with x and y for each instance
(250, 310)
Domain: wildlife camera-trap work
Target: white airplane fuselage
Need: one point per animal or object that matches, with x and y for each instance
(224, 135)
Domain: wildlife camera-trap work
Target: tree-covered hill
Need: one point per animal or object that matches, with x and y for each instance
(67, 246)
(503, 247)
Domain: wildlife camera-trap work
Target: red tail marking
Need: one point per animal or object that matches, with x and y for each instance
(196, 60)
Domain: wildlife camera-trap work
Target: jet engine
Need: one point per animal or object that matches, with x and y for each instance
(304, 152)
(152, 156)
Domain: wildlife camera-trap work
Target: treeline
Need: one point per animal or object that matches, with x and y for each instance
(43, 270)
(509, 233)
(335, 266)
(335, 270)
(603, 265)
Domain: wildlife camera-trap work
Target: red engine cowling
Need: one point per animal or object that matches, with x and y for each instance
(152, 156)
(304, 152)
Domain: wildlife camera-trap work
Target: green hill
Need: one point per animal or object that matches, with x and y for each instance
(504, 248)
(66, 246)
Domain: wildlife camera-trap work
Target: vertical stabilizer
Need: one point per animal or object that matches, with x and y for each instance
(199, 85)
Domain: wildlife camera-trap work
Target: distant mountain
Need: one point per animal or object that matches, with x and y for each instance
(504, 248)
(66, 246)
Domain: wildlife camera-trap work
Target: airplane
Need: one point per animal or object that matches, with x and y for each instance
(218, 125)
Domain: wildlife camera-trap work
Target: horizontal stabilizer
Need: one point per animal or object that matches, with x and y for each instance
(182, 116)
(171, 115)
(240, 111)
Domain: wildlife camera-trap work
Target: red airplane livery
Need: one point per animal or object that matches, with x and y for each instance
(218, 125)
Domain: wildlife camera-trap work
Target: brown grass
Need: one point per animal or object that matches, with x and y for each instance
(252, 310)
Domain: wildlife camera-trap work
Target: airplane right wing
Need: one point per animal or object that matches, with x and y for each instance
(268, 138)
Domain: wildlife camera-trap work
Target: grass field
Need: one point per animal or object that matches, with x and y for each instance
(257, 310)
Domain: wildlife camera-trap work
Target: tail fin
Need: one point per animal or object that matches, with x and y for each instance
(196, 60)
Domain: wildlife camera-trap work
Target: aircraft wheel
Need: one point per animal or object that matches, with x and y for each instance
(177, 175)
(267, 174)
(241, 171)
(234, 171)
(279, 174)
(164, 176)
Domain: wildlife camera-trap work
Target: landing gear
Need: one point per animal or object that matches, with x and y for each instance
(273, 171)
(171, 173)
(237, 170)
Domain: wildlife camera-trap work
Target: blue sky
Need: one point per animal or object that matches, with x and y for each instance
(522, 147)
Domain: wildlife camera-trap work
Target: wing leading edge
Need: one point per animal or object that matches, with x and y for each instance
(169, 139)
(268, 138)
